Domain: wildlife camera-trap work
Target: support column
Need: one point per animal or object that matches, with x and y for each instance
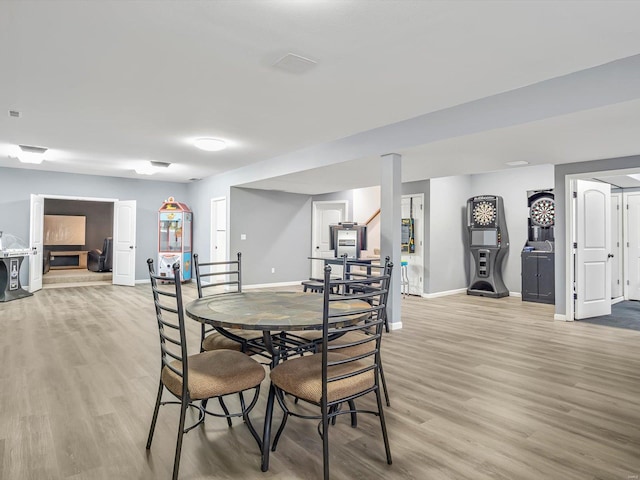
(390, 231)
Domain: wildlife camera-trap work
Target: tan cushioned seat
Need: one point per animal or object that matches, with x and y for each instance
(217, 341)
(354, 350)
(302, 378)
(215, 373)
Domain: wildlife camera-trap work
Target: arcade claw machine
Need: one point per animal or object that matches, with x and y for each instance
(174, 238)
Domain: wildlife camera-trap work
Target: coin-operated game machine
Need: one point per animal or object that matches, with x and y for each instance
(488, 244)
(174, 238)
(538, 273)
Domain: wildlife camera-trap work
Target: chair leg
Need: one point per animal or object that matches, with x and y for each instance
(383, 425)
(155, 415)
(225, 410)
(176, 461)
(325, 441)
(384, 384)
(245, 416)
(354, 415)
(285, 417)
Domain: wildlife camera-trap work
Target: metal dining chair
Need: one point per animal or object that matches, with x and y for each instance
(340, 373)
(199, 377)
(222, 278)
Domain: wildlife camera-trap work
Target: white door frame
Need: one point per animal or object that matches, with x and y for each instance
(65, 197)
(419, 233)
(214, 250)
(569, 225)
(315, 226)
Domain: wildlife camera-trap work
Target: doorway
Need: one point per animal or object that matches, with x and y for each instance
(123, 228)
(218, 251)
(324, 213)
(412, 211)
(624, 248)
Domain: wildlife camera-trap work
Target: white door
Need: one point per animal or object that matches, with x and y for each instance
(323, 215)
(218, 230)
(632, 250)
(36, 241)
(124, 243)
(616, 246)
(593, 238)
(412, 207)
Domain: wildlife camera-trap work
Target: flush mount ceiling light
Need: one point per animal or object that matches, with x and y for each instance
(210, 144)
(31, 154)
(149, 168)
(517, 163)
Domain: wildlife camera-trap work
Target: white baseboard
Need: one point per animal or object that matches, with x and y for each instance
(443, 294)
(515, 294)
(395, 326)
(560, 316)
(617, 300)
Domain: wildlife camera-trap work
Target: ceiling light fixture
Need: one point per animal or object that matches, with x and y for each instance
(210, 144)
(517, 163)
(149, 168)
(31, 154)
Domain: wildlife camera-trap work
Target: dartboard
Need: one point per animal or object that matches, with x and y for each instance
(484, 213)
(543, 212)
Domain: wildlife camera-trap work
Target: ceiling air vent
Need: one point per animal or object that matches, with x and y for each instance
(159, 164)
(293, 63)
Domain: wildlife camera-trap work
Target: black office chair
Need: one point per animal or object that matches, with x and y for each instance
(101, 260)
(340, 373)
(196, 377)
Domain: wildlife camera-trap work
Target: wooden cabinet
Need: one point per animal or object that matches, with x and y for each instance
(538, 281)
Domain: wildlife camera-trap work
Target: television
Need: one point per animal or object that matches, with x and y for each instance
(64, 229)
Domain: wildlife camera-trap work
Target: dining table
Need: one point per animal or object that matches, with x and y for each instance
(274, 314)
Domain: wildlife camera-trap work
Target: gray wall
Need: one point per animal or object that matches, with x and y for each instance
(561, 171)
(18, 184)
(448, 259)
(277, 226)
(512, 185)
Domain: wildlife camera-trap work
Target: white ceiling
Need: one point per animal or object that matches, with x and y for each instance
(108, 85)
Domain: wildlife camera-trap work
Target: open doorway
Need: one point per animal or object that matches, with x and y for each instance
(620, 260)
(78, 238)
(122, 222)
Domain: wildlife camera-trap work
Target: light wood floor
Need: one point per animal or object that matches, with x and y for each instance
(480, 388)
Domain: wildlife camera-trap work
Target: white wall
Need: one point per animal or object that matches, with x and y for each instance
(366, 202)
(512, 185)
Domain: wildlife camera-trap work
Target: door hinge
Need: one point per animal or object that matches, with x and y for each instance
(627, 282)
(627, 244)
(575, 194)
(575, 244)
(617, 207)
(627, 206)
(575, 296)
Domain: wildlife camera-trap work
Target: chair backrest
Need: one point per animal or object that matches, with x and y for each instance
(167, 298)
(371, 286)
(226, 274)
(107, 253)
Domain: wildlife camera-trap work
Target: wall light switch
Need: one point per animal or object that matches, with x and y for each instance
(243, 236)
